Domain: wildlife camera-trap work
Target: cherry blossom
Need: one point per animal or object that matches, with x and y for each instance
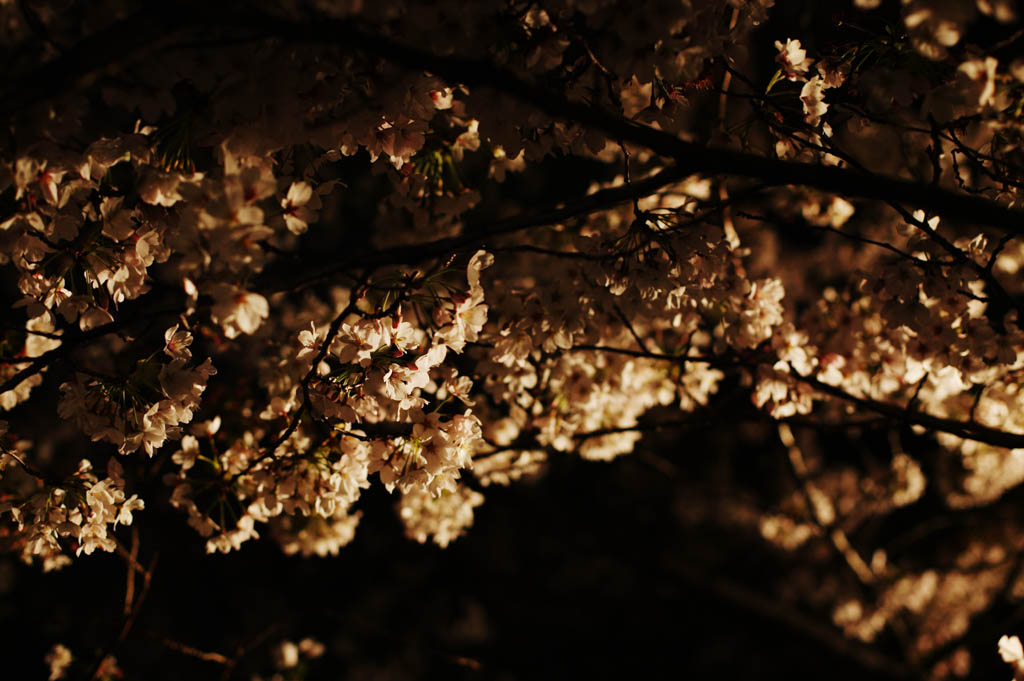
(376, 261)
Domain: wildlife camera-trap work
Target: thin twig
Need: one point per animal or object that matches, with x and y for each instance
(828, 525)
(191, 651)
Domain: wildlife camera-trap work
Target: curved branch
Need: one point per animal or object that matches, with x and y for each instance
(694, 157)
(964, 429)
(600, 200)
(71, 341)
(110, 45)
(967, 430)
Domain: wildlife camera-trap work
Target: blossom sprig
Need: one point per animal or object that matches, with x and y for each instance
(143, 409)
(80, 510)
(368, 364)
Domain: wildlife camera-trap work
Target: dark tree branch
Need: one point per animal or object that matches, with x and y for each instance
(693, 157)
(120, 40)
(401, 255)
(964, 429)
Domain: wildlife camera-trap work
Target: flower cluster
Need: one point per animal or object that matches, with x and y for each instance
(145, 409)
(82, 511)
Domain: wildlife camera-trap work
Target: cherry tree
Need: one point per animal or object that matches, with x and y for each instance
(263, 258)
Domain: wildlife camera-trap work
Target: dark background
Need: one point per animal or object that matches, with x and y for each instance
(587, 573)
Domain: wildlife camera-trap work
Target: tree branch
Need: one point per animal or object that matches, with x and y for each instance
(600, 200)
(139, 30)
(694, 157)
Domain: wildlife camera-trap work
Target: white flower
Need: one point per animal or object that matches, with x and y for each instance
(813, 97)
(793, 59)
(442, 519)
(59, 658)
(311, 648)
(297, 214)
(1012, 652)
(286, 655)
(1010, 649)
(176, 343)
(481, 260)
(238, 311)
(983, 74)
(124, 516)
(442, 98)
(310, 341)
